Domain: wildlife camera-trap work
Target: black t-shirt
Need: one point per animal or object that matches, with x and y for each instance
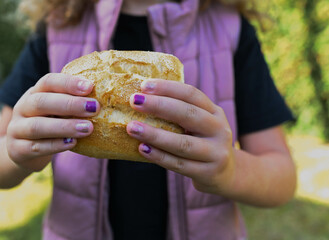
(138, 191)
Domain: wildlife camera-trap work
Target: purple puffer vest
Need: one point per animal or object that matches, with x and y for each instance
(205, 43)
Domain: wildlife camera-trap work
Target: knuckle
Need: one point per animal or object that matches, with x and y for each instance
(35, 147)
(185, 144)
(38, 101)
(70, 103)
(190, 113)
(179, 165)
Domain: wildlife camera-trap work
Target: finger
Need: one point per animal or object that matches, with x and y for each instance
(188, 116)
(184, 146)
(63, 83)
(42, 104)
(30, 149)
(45, 128)
(178, 90)
(189, 168)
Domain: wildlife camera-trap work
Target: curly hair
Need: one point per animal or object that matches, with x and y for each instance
(69, 12)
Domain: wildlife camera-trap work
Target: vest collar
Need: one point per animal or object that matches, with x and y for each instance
(165, 17)
(162, 18)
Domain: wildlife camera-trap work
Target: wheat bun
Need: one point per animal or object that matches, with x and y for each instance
(116, 76)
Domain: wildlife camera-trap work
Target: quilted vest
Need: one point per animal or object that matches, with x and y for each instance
(205, 43)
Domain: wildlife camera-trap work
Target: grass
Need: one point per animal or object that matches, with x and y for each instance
(299, 219)
(305, 217)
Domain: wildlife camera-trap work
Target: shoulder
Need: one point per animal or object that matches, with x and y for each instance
(248, 41)
(37, 41)
(248, 32)
(41, 28)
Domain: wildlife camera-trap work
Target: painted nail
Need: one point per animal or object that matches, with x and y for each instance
(148, 86)
(136, 128)
(90, 106)
(146, 148)
(84, 85)
(139, 99)
(68, 140)
(82, 127)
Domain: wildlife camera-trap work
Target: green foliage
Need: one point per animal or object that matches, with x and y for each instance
(12, 36)
(285, 46)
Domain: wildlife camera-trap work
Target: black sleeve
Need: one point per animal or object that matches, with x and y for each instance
(31, 65)
(259, 105)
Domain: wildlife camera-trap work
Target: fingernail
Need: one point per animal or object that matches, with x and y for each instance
(68, 140)
(84, 85)
(82, 127)
(90, 106)
(139, 99)
(148, 86)
(146, 148)
(136, 128)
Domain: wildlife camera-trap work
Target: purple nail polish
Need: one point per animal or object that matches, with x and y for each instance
(68, 140)
(146, 148)
(139, 99)
(90, 106)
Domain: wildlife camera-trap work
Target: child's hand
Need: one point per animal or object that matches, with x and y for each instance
(205, 154)
(35, 132)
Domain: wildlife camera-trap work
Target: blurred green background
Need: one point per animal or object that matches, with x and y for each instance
(296, 47)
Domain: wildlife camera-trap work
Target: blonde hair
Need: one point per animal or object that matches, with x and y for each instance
(69, 12)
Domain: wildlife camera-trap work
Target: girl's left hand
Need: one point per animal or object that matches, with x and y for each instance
(205, 154)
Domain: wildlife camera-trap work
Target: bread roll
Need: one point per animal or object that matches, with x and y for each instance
(117, 75)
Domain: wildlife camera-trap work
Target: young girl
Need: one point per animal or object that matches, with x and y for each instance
(189, 193)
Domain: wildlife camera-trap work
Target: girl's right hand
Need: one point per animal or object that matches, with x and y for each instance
(35, 131)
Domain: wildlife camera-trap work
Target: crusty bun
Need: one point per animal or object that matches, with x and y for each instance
(117, 75)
